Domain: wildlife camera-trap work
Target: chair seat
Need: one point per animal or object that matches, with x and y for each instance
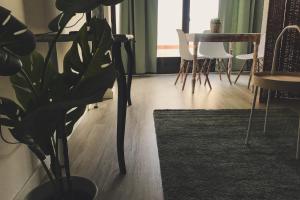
(220, 56)
(191, 58)
(248, 56)
(289, 81)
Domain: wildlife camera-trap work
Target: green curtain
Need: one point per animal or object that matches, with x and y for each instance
(241, 16)
(145, 25)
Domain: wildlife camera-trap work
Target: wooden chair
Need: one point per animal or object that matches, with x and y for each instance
(186, 58)
(246, 57)
(215, 50)
(289, 81)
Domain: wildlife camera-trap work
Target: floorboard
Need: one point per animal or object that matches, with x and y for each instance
(93, 144)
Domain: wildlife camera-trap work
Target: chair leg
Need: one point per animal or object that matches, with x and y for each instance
(240, 72)
(186, 74)
(200, 70)
(227, 72)
(206, 75)
(182, 74)
(267, 111)
(298, 141)
(250, 78)
(219, 69)
(181, 70)
(251, 115)
(205, 71)
(197, 71)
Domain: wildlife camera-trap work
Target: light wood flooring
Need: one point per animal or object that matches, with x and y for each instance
(93, 144)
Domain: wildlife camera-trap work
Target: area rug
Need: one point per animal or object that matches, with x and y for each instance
(203, 156)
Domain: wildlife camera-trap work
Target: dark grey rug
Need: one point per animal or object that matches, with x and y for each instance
(203, 156)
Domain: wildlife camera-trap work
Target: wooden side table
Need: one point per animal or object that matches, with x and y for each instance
(288, 81)
(124, 86)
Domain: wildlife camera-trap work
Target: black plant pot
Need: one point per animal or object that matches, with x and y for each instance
(82, 189)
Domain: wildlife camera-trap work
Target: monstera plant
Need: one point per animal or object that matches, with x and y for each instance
(50, 103)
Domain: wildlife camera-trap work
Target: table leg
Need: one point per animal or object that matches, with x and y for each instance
(202, 70)
(229, 65)
(181, 71)
(122, 105)
(186, 74)
(130, 66)
(251, 115)
(267, 110)
(254, 64)
(227, 72)
(206, 74)
(240, 72)
(298, 141)
(195, 63)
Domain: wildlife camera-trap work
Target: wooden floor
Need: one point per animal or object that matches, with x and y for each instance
(93, 145)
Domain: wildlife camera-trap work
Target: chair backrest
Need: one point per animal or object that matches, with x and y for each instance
(261, 48)
(212, 49)
(184, 46)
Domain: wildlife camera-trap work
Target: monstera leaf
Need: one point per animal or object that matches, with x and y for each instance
(12, 112)
(14, 34)
(80, 6)
(60, 21)
(12, 116)
(89, 71)
(9, 63)
(110, 2)
(15, 40)
(70, 7)
(29, 99)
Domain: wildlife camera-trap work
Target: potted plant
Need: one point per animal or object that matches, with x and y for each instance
(215, 25)
(50, 103)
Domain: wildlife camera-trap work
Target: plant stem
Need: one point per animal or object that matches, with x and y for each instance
(63, 136)
(47, 171)
(53, 43)
(58, 173)
(52, 157)
(24, 74)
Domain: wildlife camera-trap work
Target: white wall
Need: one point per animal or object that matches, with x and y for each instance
(17, 164)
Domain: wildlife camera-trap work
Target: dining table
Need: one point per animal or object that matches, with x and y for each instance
(196, 38)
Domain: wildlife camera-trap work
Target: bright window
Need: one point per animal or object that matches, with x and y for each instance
(170, 19)
(201, 12)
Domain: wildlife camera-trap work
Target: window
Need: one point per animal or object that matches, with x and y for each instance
(201, 12)
(170, 19)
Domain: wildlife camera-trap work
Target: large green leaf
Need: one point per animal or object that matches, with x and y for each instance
(110, 2)
(13, 116)
(54, 91)
(81, 6)
(60, 21)
(10, 112)
(72, 116)
(90, 71)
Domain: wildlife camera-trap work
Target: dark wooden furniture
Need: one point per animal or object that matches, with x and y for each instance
(124, 86)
